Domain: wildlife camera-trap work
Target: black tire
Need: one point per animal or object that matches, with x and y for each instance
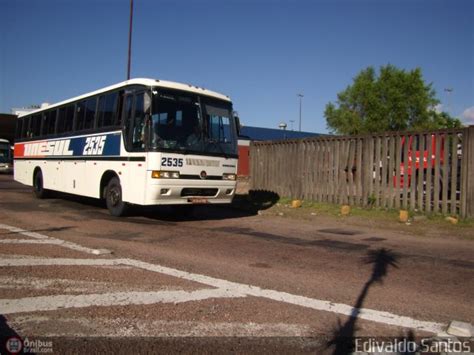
(113, 198)
(38, 188)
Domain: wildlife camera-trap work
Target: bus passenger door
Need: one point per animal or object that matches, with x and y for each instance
(136, 132)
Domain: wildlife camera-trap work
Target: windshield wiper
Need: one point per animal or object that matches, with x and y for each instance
(217, 144)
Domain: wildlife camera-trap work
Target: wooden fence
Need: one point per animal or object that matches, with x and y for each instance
(430, 172)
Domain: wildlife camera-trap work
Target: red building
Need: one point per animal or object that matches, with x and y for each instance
(248, 134)
(243, 168)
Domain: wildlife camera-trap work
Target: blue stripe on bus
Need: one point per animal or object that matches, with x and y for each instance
(92, 145)
(84, 146)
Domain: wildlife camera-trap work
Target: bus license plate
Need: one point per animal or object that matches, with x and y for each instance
(198, 200)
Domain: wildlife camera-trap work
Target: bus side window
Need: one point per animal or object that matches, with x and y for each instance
(80, 110)
(48, 121)
(101, 111)
(117, 115)
(138, 136)
(24, 127)
(127, 117)
(51, 121)
(90, 113)
(106, 110)
(43, 124)
(68, 124)
(110, 105)
(65, 117)
(19, 124)
(61, 119)
(36, 125)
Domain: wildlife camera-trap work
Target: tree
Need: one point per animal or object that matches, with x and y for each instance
(394, 100)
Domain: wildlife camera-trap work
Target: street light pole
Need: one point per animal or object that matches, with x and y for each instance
(130, 40)
(301, 97)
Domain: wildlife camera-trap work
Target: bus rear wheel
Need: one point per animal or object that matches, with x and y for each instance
(38, 188)
(113, 198)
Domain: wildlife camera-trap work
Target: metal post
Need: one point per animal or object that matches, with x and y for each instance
(130, 40)
(301, 97)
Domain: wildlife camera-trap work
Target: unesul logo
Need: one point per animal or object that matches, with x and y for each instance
(14, 345)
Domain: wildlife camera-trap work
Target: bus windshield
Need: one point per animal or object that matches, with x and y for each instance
(192, 124)
(5, 155)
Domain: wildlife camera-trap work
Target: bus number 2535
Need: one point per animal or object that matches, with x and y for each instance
(177, 162)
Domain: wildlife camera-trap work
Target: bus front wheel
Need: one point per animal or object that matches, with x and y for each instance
(113, 198)
(38, 188)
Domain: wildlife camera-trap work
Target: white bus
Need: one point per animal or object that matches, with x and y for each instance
(141, 142)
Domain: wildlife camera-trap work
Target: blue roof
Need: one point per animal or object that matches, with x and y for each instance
(270, 134)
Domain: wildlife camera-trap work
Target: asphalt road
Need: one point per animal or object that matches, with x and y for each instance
(221, 279)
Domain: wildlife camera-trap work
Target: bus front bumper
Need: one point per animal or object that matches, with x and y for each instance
(6, 168)
(180, 191)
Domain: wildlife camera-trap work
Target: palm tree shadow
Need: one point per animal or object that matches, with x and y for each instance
(343, 334)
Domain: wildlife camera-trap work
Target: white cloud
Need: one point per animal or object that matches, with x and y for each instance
(468, 115)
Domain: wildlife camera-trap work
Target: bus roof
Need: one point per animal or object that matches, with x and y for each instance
(139, 81)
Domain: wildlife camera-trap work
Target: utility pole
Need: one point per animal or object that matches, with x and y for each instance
(301, 98)
(130, 40)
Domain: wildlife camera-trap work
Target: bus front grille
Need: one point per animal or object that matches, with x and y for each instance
(194, 191)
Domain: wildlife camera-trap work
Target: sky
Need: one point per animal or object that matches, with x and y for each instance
(262, 53)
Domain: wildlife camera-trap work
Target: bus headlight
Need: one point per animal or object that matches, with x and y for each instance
(229, 177)
(158, 174)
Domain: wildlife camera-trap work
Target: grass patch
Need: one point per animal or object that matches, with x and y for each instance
(269, 203)
(335, 209)
(420, 225)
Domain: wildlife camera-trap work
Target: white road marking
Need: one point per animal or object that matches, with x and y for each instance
(44, 239)
(38, 261)
(54, 241)
(36, 283)
(58, 286)
(240, 290)
(113, 328)
(24, 232)
(52, 303)
(340, 308)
